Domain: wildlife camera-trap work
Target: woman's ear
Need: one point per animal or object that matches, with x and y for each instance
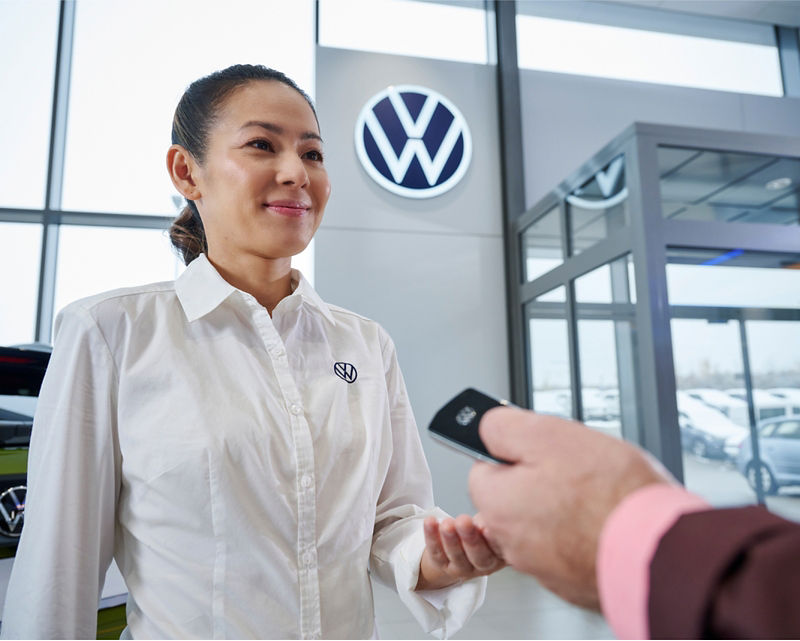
(181, 167)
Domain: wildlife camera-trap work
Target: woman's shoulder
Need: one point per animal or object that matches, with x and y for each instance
(352, 321)
(116, 301)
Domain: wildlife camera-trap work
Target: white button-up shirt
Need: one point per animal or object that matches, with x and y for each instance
(247, 473)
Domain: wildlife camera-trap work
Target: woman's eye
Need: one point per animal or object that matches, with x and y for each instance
(314, 154)
(261, 144)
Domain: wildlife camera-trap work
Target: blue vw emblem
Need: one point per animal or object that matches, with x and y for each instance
(413, 141)
(346, 372)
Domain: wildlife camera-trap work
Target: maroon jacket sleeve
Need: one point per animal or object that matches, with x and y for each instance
(732, 573)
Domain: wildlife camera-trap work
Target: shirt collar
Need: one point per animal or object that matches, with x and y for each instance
(201, 289)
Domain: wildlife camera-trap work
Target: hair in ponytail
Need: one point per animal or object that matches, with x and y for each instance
(194, 117)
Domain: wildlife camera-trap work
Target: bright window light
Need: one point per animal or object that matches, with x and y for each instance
(20, 253)
(563, 46)
(28, 35)
(132, 61)
(405, 28)
(92, 260)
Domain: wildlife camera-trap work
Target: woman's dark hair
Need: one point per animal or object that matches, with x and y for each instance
(194, 117)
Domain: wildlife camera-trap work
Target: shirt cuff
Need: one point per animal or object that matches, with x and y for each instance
(627, 544)
(442, 612)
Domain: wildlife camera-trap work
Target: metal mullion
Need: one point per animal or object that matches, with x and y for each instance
(751, 409)
(55, 172)
(572, 322)
(615, 246)
(659, 411)
(8, 215)
(789, 53)
(513, 187)
(747, 236)
(712, 314)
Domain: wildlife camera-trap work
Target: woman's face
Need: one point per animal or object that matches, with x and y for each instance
(263, 185)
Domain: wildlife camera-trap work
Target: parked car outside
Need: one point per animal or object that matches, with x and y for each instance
(779, 451)
(706, 432)
(766, 405)
(790, 395)
(732, 407)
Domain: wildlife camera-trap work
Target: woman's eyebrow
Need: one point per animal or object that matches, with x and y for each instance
(277, 129)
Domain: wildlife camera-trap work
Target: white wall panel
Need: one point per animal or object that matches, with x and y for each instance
(441, 297)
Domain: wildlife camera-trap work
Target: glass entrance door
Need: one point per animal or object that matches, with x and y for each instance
(736, 349)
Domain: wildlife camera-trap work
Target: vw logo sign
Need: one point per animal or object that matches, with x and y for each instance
(12, 510)
(413, 141)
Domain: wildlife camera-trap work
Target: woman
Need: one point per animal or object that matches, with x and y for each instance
(243, 450)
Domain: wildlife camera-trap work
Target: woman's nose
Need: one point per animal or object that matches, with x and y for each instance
(292, 170)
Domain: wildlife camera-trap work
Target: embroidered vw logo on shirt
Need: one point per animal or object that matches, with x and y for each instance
(413, 141)
(346, 372)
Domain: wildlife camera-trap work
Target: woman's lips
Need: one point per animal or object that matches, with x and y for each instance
(288, 207)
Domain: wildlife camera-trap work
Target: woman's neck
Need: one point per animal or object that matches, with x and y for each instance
(268, 280)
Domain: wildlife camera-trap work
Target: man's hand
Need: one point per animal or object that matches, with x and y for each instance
(455, 550)
(545, 512)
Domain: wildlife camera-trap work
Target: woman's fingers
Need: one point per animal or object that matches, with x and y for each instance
(459, 565)
(433, 541)
(476, 547)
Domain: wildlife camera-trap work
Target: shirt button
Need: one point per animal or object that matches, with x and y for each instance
(276, 351)
(296, 410)
(306, 481)
(311, 636)
(308, 558)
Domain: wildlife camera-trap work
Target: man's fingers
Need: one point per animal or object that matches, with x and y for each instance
(500, 431)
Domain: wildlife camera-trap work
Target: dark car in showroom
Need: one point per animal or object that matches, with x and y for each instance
(21, 372)
(779, 453)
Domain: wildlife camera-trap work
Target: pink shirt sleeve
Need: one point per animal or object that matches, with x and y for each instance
(627, 545)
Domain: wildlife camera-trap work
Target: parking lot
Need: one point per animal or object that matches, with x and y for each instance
(723, 486)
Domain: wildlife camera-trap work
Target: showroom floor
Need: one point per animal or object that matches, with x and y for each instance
(516, 607)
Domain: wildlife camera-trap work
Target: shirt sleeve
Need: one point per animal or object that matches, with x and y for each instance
(68, 537)
(628, 542)
(398, 542)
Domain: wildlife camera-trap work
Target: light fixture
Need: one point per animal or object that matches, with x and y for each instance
(778, 183)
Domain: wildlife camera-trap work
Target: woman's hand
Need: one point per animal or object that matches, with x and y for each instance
(455, 550)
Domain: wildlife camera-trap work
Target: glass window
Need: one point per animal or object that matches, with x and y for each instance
(594, 287)
(541, 245)
(20, 257)
(551, 390)
(555, 295)
(729, 187)
(708, 362)
(441, 30)
(565, 46)
(599, 207)
(734, 278)
(599, 376)
(96, 259)
(131, 63)
(28, 36)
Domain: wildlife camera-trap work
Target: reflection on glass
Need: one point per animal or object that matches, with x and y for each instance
(96, 259)
(733, 278)
(550, 369)
(597, 349)
(28, 36)
(113, 90)
(729, 187)
(541, 245)
(599, 207)
(20, 255)
(714, 425)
